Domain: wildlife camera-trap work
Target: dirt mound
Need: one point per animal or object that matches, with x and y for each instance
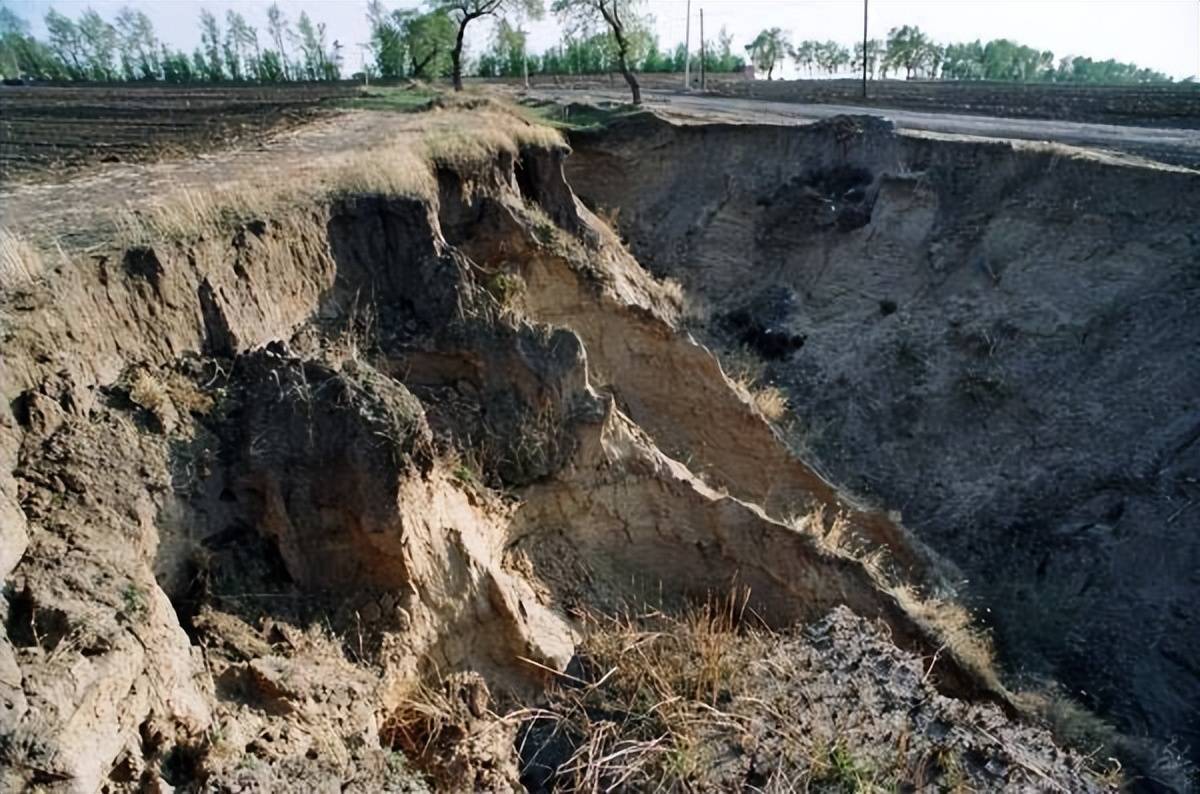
(320, 500)
(996, 340)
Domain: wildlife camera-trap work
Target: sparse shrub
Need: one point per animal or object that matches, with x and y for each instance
(506, 288)
(464, 475)
(134, 602)
(147, 391)
(838, 767)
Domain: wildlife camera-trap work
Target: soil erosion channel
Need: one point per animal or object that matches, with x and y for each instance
(997, 340)
(404, 471)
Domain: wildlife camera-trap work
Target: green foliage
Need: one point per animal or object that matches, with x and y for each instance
(211, 62)
(910, 48)
(873, 54)
(138, 46)
(463, 12)
(21, 55)
(421, 43)
(134, 602)
(241, 49)
(271, 67)
(827, 56)
(507, 56)
(575, 118)
(411, 43)
(403, 100)
(768, 50)
(319, 61)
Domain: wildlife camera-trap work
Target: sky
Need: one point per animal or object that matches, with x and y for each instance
(1160, 34)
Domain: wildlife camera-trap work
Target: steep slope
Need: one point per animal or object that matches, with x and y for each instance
(994, 338)
(292, 497)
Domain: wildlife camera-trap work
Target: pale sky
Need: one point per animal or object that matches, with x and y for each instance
(1160, 34)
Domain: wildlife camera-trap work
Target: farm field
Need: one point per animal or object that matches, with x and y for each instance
(46, 128)
(1134, 105)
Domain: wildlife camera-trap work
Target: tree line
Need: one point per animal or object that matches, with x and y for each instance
(428, 43)
(127, 49)
(908, 51)
(420, 43)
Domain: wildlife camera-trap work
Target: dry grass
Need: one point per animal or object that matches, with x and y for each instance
(465, 140)
(470, 144)
(691, 702)
(168, 397)
(957, 629)
(657, 682)
(394, 170)
(770, 401)
(672, 290)
(20, 262)
(746, 371)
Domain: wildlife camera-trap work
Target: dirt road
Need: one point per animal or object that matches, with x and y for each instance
(1178, 147)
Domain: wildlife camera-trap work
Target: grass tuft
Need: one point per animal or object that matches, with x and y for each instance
(20, 262)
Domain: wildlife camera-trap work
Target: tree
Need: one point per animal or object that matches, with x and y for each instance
(241, 47)
(386, 44)
(874, 52)
(21, 55)
(506, 57)
(907, 46)
(176, 68)
(271, 67)
(99, 40)
(768, 49)
(138, 45)
(964, 61)
(429, 40)
(804, 55)
(65, 43)
(719, 57)
(279, 30)
(624, 25)
(210, 62)
(464, 12)
(411, 42)
(312, 47)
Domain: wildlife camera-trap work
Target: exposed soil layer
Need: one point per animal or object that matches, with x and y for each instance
(52, 128)
(1000, 342)
(306, 503)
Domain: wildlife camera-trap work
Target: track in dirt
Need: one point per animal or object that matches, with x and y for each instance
(45, 128)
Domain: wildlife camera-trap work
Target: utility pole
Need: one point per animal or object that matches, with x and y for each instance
(864, 52)
(703, 71)
(524, 60)
(362, 48)
(687, 50)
